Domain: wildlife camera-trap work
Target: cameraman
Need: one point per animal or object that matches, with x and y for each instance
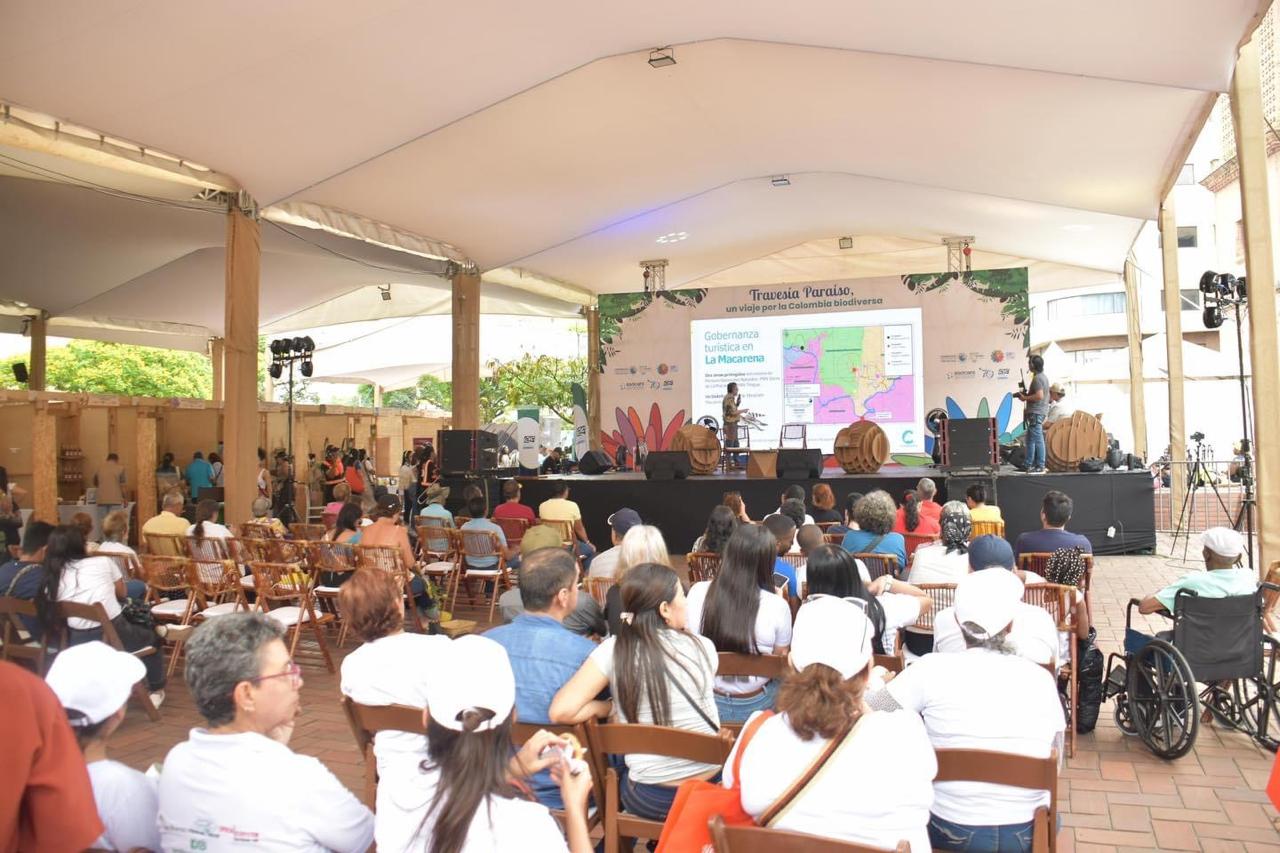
(1036, 399)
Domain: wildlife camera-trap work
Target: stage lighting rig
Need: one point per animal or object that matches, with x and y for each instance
(285, 353)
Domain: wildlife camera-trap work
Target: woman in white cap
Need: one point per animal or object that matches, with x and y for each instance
(93, 681)
(988, 698)
(824, 732)
(465, 795)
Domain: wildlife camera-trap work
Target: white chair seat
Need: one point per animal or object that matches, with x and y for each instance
(440, 567)
(327, 590)
(482, 573)
(221, 609)
(247, 581)
(173, 607)
(289, 616)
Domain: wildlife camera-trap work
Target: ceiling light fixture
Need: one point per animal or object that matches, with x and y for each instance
(661, 57)
(780, 181)
(846, 242)
(385, 290)
(674, 237)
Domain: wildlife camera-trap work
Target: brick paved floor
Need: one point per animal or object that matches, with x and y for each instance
(1114, 795)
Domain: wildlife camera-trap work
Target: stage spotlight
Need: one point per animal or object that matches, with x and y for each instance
(276, 370)
(278, 347)
(308, 345)
(306, 369)
(661, 57)
(296, 344)
(1212, 316)
(780, 181)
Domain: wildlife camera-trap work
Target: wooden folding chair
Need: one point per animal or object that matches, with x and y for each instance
(824, 526)
(434, 544)
(166, 544)
(216, 586)
(172, 600)
(366, 721)
(1019, 771)
(915, 540)
(512, 528)
(775, 667)
(893, 663)
(795, 561)
(1038, 562)
(307, 532)
(285, 595)
(259, 530)
(987, 528)
(18, 642)
(386, 558)
(568, 537)
(624, 738)
(757, 839)
(880, 564)
(97, 613)
(598, 588)
(833, 538)
(1059, 601)
(129, 565)
(331, 563)
(703, 565)
(521, 732)
(481, 544)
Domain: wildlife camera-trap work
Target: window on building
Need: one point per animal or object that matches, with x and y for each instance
(1088, 305)
(1187, 175)
(1187, 237)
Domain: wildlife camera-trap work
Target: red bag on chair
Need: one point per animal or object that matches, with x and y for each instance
(697, 801)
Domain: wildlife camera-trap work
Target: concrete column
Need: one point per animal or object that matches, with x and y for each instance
(1137, 387)
(147, 458)
(593, 375)
(1173, 332)
(466, 351)
(44, 464)
(217, 347)
(240, 365)
(36, 372)
(1251, 152)
(377, 396)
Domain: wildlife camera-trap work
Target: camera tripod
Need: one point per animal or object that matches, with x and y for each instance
(1198, 476)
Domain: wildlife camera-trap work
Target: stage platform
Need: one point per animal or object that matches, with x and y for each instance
(1115, 509)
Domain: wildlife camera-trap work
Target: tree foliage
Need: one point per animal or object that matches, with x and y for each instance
(106, 368)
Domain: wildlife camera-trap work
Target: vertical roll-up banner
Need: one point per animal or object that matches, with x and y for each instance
(528, 430)
(581, 442)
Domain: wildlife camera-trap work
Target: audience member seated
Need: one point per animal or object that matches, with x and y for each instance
(989, 698)
(979, 510)
(93, 682)
(1223, 577)
(642, 544)
(586, 618)
(658, 674)
(947, 560)
(794, 493)
(874, 515)
(237, 778)
(115, 535)
(341, 495)
(720, 526)
(909, 518)
(926, 491)
(468, 794)
(734, 501)
(390, 668)
(1033, 635)
(46, 799)
(821, 702)
(847, 522)
(808, 538)
(348, 527)
(824, 505)
(205, 526)
(83, 522)
(891, 605)
(386, 530)
(23, 576)
(511, 506)
(783, 530)
(1055, 512)
(478, 509)
(10, 527)
(261, 514)
(559, 508)
(71, 575)
(170, 521)
(605, 564)
(740, 611)
(1066, 566)
(544, 654)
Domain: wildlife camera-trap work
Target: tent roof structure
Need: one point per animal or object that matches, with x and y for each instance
(543, 144)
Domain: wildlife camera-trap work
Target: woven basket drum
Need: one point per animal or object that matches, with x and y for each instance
(861, 448)
(701, 444)
(1071, 439)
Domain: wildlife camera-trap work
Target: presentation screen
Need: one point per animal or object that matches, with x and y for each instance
(821, 370)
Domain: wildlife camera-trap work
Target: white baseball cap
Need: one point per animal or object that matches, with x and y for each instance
(834, 632)
(1224, 542)
(94, 679)
(474, 672)
(988, 598)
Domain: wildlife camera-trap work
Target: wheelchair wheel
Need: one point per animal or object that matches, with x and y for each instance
(1124, 721)
(1257, 698)
(1162, 700)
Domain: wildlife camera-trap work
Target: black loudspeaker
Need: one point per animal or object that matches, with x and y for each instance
(20, 371)
(1116, 458)
(666, 465)
(799, 464)
(972, 443)
(595, 462)
(467, 451)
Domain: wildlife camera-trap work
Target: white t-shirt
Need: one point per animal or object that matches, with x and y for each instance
(932, 564)
(1064, 637)
(498, 825)
(605, 564)
(1034, 635)
(127, 805)
(983, 700)
(90, 581)
(246, 791)
(116, 548)
(212, 530)
(808, 519)
(900, 611)
(698, 656)
(773, 630)
(844, 801)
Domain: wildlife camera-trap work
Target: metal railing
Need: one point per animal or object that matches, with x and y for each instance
(1213, 501)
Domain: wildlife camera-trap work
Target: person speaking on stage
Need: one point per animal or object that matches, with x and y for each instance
(732, 414)
(1036, 398)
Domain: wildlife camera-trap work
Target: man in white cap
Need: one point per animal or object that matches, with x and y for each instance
(831, 653)
(986, 698)
(1223, 577)
(93, 682)
(605, 564)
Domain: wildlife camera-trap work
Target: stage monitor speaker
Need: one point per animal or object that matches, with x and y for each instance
(594, 462)
(762, 465)
(467, 451)
(972, 443)
(20, 371)
(799, 464)
(666, 465)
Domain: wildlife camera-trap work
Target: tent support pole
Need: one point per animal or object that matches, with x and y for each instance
(147, 460)
(39, 331)
(217, 348)
(1137, 387)
(44, 464)
(240, 364)
(593, 375)
(466, 351)
(1173, 333)
(1250, 132)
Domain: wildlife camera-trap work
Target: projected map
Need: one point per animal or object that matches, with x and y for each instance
(840, 374)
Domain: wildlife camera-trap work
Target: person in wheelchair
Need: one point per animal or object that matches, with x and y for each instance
(1223, 577)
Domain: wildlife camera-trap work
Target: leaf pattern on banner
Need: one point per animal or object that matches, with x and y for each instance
(628, 431)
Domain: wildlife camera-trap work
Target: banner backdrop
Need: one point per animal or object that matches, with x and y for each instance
(529, 431)
(887, 349)
(581, 441)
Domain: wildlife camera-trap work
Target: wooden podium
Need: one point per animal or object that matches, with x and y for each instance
(762, 465)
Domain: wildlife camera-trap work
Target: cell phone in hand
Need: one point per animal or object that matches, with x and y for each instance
(779, 579)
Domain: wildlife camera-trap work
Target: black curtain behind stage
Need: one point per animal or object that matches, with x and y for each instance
(1121, 500)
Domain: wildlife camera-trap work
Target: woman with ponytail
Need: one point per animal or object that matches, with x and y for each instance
(659, 674)
(824, 728)
(205, 526)
(909, 519)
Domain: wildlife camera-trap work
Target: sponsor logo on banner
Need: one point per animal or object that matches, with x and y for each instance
(527, 433)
